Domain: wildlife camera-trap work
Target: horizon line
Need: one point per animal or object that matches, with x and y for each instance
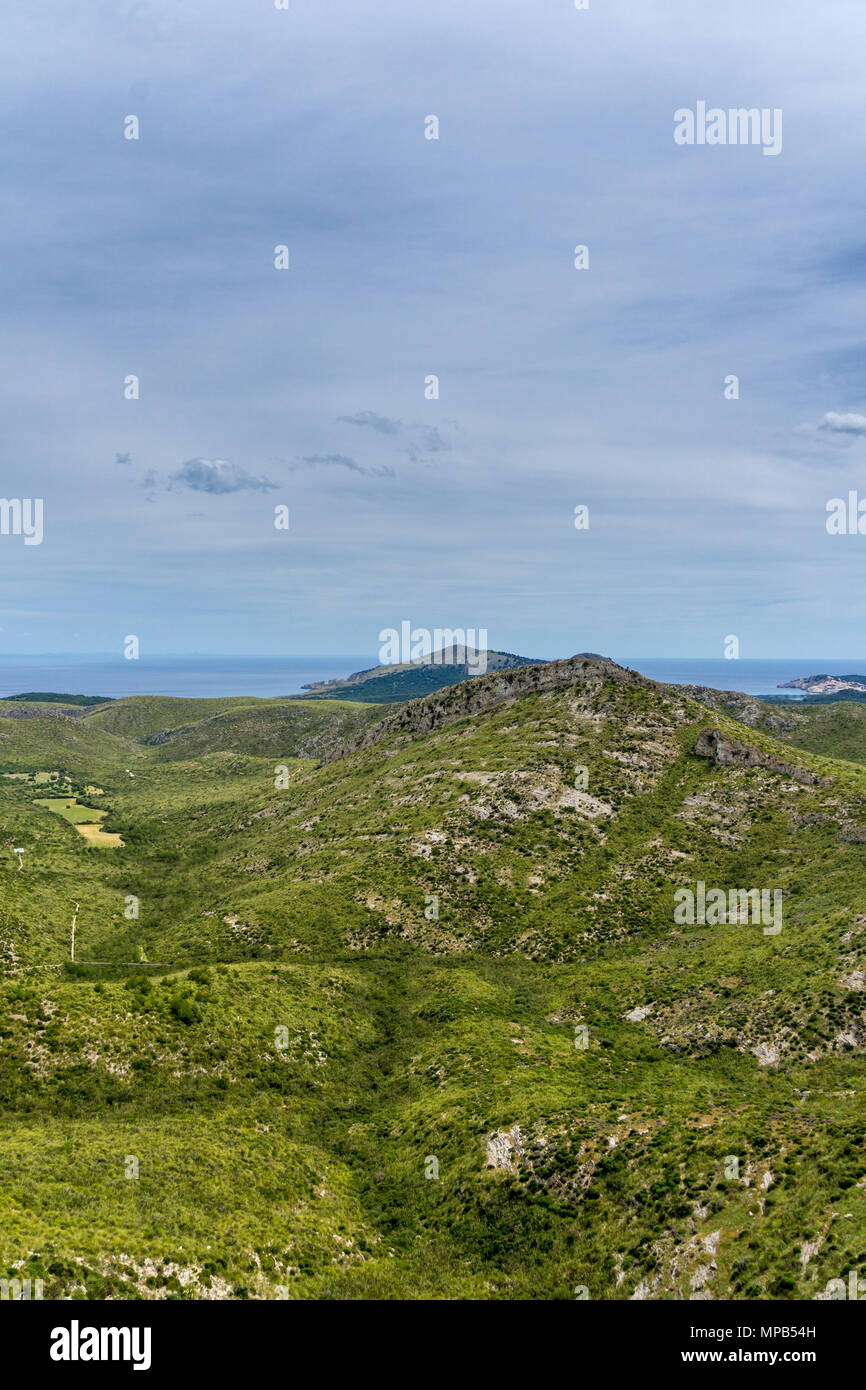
(346, 655)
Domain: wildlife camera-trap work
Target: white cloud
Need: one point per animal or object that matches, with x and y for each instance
(852, 424)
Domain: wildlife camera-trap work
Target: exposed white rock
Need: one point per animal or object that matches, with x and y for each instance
(640, 1013)
(810, 1248)
(503, 1146)
(702, 1276)
(581, 801)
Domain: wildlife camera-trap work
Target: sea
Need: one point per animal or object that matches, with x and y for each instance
(272, 676)
(751, 675)
(188, 676)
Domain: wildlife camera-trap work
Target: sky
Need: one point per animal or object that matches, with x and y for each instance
(410, 257)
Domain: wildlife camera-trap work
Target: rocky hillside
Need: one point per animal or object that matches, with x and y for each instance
(837, 728)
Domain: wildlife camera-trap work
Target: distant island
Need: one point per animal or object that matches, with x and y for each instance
(51, 697)
(826, 685)
(410, 680)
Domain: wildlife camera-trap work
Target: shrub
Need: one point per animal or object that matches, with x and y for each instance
(184, 1009)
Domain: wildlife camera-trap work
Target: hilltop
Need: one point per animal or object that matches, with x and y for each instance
(421, 1021)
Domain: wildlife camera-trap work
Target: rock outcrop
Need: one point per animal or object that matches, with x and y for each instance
(726, 752)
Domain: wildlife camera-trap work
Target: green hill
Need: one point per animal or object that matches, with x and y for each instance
(184, 728)
(141, 716)
(48, 737)
(420, 1019)
(295, 729)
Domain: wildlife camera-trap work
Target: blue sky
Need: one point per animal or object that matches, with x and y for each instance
(412, 257)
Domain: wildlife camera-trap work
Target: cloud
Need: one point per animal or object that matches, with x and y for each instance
(338, 460)
(217, 476)
(123, 458)
(834, 423)
(380, 423)
(431, 439)
(343, 461)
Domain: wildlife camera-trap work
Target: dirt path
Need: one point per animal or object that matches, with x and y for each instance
(74, 920)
